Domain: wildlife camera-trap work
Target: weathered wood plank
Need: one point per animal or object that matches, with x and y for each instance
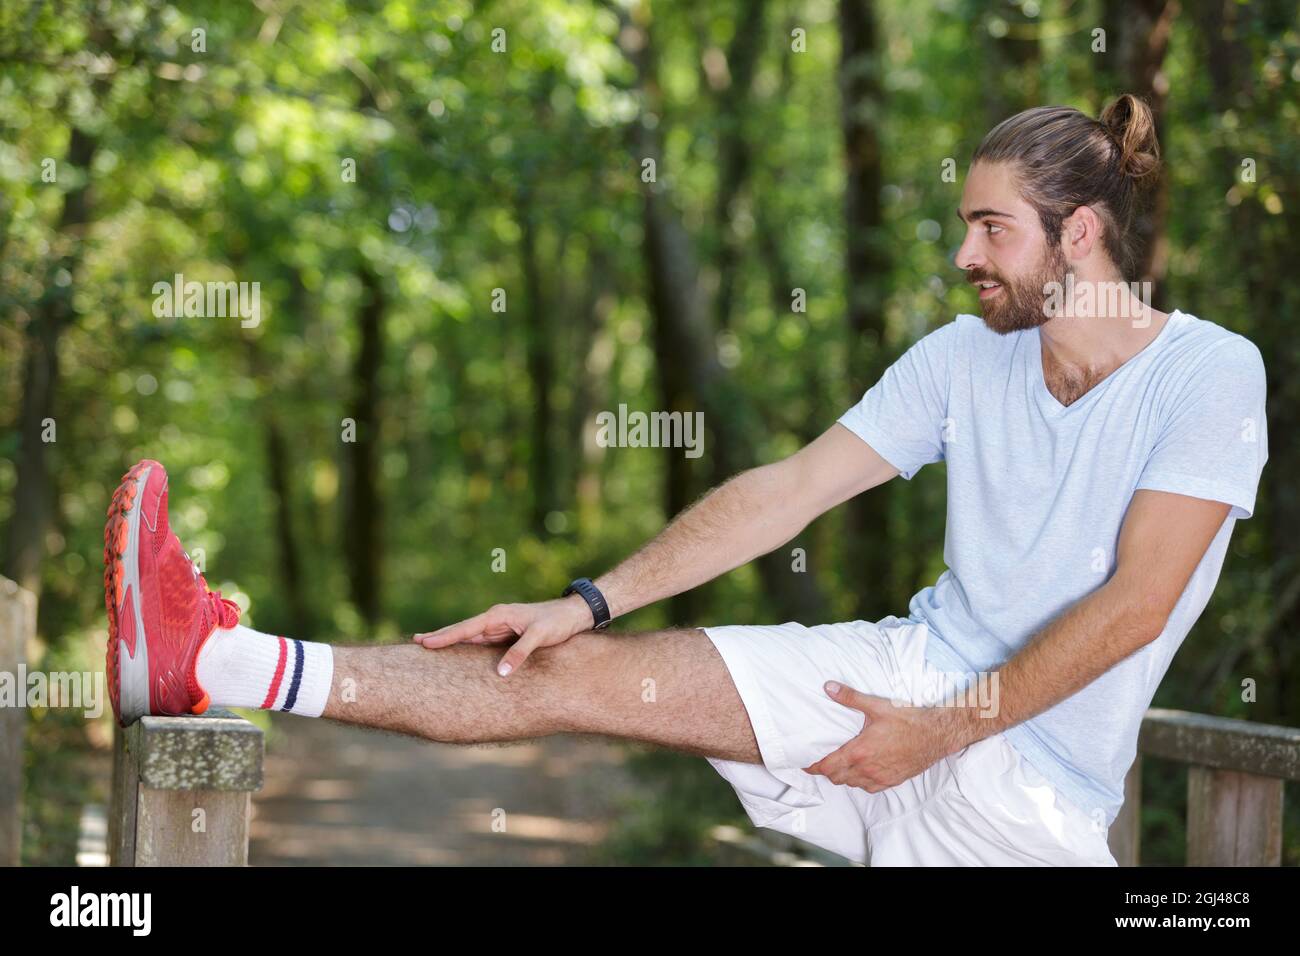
(1125, 832)
(17, 627)
(192, 828)
(181, 790)
(1221, 742)
(217, 751)
(125, 793)
(1233, 819)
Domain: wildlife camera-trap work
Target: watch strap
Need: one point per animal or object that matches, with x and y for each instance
(595, 600)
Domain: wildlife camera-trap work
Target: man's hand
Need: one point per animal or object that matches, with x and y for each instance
(535, 625)
(896, 743)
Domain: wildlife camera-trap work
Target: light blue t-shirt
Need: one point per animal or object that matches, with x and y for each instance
(1037, 492)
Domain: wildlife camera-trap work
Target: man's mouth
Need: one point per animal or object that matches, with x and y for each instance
(987, 289)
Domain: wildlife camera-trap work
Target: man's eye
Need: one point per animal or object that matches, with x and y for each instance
(991, 226)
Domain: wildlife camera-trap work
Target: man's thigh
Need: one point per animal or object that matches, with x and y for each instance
(667, 687)
(780, 671)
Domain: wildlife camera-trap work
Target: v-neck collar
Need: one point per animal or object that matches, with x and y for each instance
(1053, 405)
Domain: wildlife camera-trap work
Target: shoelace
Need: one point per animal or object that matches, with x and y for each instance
(223, 609)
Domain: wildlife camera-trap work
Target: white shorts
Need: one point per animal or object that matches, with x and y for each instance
(981, 806)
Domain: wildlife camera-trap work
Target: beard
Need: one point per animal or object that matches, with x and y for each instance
(1021, 302)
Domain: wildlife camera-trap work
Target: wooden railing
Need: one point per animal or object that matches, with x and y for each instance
(1236, 772)
(181, 788)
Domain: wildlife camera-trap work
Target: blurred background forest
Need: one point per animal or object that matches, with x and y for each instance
(380, 168)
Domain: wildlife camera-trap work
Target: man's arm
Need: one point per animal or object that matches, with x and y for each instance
(746, 516)
(1163, 538)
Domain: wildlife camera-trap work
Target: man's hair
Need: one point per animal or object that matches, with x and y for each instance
(1062, 158)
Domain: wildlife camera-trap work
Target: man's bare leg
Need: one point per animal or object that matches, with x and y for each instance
(668, 687)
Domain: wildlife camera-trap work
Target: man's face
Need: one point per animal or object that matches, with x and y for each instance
(1005, 252)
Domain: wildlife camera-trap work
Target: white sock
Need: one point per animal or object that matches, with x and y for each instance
(241, 667)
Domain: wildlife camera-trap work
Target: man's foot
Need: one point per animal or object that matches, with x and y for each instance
(160, 610)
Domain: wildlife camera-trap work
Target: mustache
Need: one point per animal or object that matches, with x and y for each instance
(983, 275)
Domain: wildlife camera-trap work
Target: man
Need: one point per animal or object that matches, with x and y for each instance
(1098, 455)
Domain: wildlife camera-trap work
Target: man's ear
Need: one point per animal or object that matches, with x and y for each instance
(1080, 231)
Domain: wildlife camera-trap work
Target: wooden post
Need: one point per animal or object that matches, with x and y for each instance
(1236, 773)
(1125, 832)
(181, 790)
(17, 627)
(1233, 818)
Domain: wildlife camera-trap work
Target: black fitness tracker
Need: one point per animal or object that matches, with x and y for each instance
(595, 600)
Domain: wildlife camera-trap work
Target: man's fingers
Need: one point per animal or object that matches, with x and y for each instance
(471, 627)
(492, 624)
(518, 653)
(849, 697)
(832, 762)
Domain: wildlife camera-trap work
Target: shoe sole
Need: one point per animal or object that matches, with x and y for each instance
(122, 578)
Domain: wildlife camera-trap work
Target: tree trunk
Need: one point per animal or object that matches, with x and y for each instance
(278, 470)
(1143, 28)
(1264, 265)
(541, 370)
(866, 274)
(1012, 70)
(590, 382)
(279, 483)
(53, 313)
(690, 376)
(364, 522)
(734, 150)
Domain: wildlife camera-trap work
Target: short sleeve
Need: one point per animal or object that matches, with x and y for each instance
(1214, 441)
(902, 416)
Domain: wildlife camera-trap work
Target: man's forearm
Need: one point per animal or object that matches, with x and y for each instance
(1076, 648)
(746, 516)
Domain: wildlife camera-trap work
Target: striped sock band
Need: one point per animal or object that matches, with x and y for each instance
(241, 667)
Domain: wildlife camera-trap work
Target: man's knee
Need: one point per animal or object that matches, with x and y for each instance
(584, 653)
(596, 675)
(593, 652)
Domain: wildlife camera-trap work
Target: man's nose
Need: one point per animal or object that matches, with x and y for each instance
(968, 255)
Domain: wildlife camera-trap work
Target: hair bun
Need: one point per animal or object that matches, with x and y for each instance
(1131, 125)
